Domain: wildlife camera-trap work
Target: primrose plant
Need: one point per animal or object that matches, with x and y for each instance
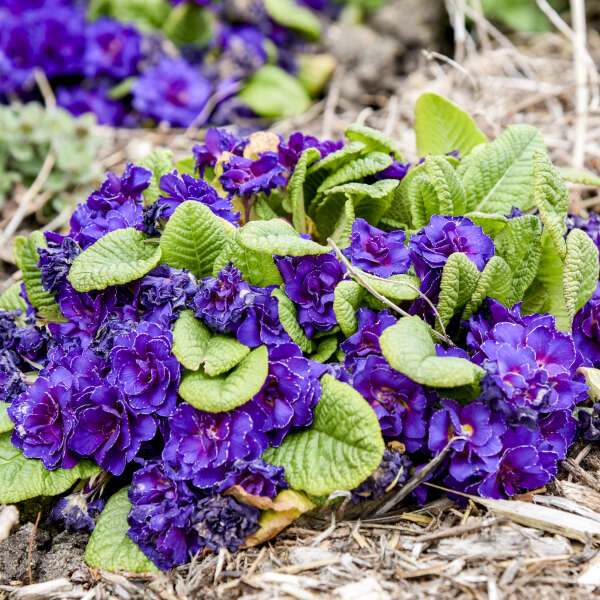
(218, 345)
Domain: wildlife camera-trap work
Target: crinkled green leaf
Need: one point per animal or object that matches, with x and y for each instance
(422, 200)
(580, 275)
(222, 354)
(12, 300)
(373, 140)
(495, 282)
(492, 225)
(295, 188)
(160, 162)
(500, 176)
(371, 163)
(148, 15)
(193, 238)
(459, 281)
(190, 340)
(27, 258)
(6, 423)
(447, 185)
(109, 546)
(520, 245)
(443, 127)
(186, 166)
(294, 16)
(347, 297)
(326, 349)
(189, 23)
(551, 197)
(289, 320)
(23, 478)
(276, 237)
(409, 349)
(257, 268)
(397, 288)
(583, 177)
(343, 227)
(119, 257)
(272, 93)
(226, 392)
(341, 448)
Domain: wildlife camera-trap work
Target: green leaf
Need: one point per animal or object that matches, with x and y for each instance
(11, 299)
(356, 169)
(295, 187)
(447, 185)
(189, 23)
(397, 288)
(6, 423)
(492, 225)
(443, 127)
(119, 257)
(520, 245)
(347, 297)
(326, 349)
(109, 546)
(373, 140)
(341, 449)
(276, 237)
(294, 16)
(186, 166)
(27, 258)
(422, 201)
(495, 282)
(343, 227)
(122, 89)
(257, 268)
(289, 320)
(580, 275)
(190, 339)
(148, 15)
(408, 347)
(500, 176)
(521, 15)
(193, 238)
(226, 392)
(272, 93)
(551, 197)
(222, 354)
(23, 478)
(314, 71)
(582, 177)
(459, 280)
(160, 162)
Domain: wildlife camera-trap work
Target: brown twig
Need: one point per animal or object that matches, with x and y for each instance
(30, 547)
(458, 530)
(572, 467)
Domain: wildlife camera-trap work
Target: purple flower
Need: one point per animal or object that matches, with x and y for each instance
(400, 404)
(310, 282)
(216, 142)
(290, 151)
(256, 477)
(591, 225)
(589, 422)
(202, 446)
(260, 323)
(56, 260)
(289, 394)
(222, 522)
(243, 50)
(111, 328)
(366, 339)
(246, 177)
(397, 170)
(377, 252)
(108, 430)
(75, 513)
(171, 91)
(393, 471)
(79, 100)
(112, 49)
(144, 368)
(11, 378)
(177, 190)
(586, 331)
(160, 518)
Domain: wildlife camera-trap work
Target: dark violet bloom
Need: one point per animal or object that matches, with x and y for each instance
(246, 177)
(216, 142)
(589, 422)
(261, 324)
(8, 327)
(393, 471)
(152, 219)
(104, 340)
(11, 378)
(339, 372)
(202, 446)
(75, 513)
(514, 213)
(223, 522)
(176, 190)
(591, 225)
(586, 331)
(31, 343)
(172, 91)
(44, 419)
(397, 170)
(108, 430)
(221, 301)
(290, 151)
(377, 252)
(400, 404)
(558, 430)
(256, 477)
(310, 282)
(243, 50)
(143, 367)
(79, 100)
(478, 431)
(56, 260)
(112, 49)
(160, 519)
(366, 339)
(289, 394)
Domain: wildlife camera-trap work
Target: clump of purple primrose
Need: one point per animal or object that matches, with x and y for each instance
(217, 345)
